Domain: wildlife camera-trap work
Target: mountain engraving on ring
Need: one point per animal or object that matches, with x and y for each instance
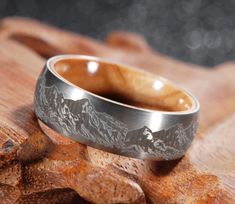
(79, 120)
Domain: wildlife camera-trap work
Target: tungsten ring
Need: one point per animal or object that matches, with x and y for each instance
(116, 108)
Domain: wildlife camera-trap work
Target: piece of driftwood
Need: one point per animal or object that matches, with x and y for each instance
(35, 168)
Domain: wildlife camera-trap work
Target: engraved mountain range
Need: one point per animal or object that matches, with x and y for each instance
(80, 119)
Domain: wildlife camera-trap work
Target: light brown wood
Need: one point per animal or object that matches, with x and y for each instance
(123, 84)
(41, 169)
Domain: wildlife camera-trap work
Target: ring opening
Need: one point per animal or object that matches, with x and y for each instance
(123, 84)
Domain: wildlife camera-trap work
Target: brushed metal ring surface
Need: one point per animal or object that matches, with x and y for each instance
(159, 124)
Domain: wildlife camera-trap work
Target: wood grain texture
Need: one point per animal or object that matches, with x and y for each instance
(122, 84)
(38, 168)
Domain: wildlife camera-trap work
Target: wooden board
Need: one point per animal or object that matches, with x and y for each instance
(35, 168)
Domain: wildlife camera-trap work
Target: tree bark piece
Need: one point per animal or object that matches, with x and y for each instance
(37, 166)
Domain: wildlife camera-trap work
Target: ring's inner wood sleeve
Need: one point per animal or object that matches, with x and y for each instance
(123, 84)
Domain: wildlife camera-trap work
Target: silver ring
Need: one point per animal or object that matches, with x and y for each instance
(116, 108)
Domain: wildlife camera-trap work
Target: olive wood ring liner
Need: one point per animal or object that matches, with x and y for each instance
(115, 108)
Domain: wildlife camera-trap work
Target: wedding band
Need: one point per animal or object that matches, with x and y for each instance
(116, 108)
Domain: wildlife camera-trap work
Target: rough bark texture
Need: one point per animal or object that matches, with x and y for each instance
(35, 168)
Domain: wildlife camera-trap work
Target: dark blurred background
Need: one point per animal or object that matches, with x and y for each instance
(197, 31)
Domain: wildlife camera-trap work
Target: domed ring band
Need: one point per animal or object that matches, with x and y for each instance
(116, 108)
